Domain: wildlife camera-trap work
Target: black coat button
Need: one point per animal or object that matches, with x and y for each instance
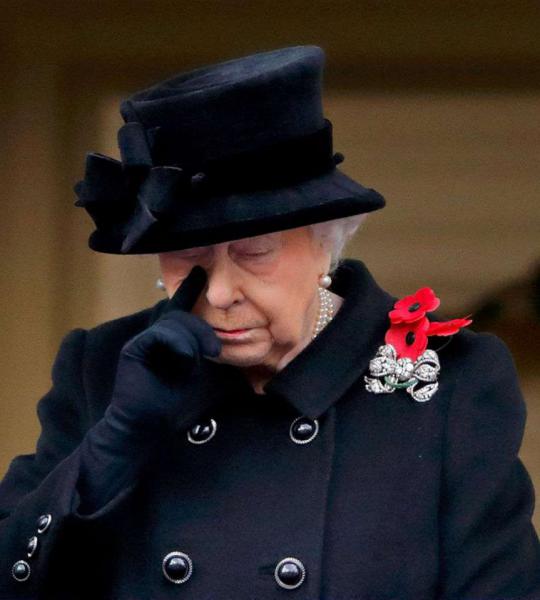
(202, 432)
(303, 430)
(43, 523)
(290, 573)
(177, 567)
(21, 570)
(31, 546)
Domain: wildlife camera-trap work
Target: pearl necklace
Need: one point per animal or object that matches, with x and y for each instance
(326, 311)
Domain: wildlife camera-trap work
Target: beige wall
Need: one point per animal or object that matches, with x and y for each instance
(435, 108)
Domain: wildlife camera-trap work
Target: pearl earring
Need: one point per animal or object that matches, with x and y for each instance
(159, 284)
(325, 281)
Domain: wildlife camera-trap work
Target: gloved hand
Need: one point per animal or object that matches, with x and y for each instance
(158, 367)
(162, 385)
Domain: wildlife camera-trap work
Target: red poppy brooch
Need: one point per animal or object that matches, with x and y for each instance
(404, 361)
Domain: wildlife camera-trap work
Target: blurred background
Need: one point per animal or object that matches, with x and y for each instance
(434, 104)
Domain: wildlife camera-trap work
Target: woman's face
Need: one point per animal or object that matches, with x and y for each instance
(266, 284)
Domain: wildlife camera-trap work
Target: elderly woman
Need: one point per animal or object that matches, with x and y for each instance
(277, 426)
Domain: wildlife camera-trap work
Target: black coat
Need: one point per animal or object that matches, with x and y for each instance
(390, 499)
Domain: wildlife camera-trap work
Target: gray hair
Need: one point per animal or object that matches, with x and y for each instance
(335, 234)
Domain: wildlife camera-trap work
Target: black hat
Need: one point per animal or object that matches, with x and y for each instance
(218, 153)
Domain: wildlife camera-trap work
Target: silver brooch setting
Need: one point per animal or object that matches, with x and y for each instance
(390, 373)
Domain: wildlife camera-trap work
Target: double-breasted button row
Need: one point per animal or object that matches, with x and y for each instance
(302, 430)
(289, 573)
(21, 569)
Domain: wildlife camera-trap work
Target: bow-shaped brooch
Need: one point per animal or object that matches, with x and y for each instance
(404, 360)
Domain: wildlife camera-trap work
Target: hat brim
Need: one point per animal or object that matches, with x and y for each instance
(212, 220)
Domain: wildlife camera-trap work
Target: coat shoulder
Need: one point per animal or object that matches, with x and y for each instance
(480, 352)
(484, 379)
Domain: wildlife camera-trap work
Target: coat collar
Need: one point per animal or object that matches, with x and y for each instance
(325, 369)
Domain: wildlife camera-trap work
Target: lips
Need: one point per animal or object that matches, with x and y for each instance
(230, 330)
(235, 335)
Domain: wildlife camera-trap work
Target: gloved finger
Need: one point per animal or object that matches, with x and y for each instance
(175, 336)
(175, 344)
(209, 343)
(178, 347)
(187, 292)
(164, 348)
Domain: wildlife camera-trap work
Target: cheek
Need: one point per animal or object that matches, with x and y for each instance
(285, 292)
(286, 315)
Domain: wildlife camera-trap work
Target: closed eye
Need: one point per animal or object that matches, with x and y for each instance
(255, 254)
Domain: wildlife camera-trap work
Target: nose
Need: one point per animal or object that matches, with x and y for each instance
(222, 285)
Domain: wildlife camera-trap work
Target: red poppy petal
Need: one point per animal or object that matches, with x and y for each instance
(423, 325)
(414, 351)
(404, 316)
(447, 327)
(405, 302)
(428, 299)
(425, 299)
(397, 336)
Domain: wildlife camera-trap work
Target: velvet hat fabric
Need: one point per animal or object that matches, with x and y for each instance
(221, 152)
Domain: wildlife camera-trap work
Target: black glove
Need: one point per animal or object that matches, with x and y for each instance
(157, 364)
(162, 385)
